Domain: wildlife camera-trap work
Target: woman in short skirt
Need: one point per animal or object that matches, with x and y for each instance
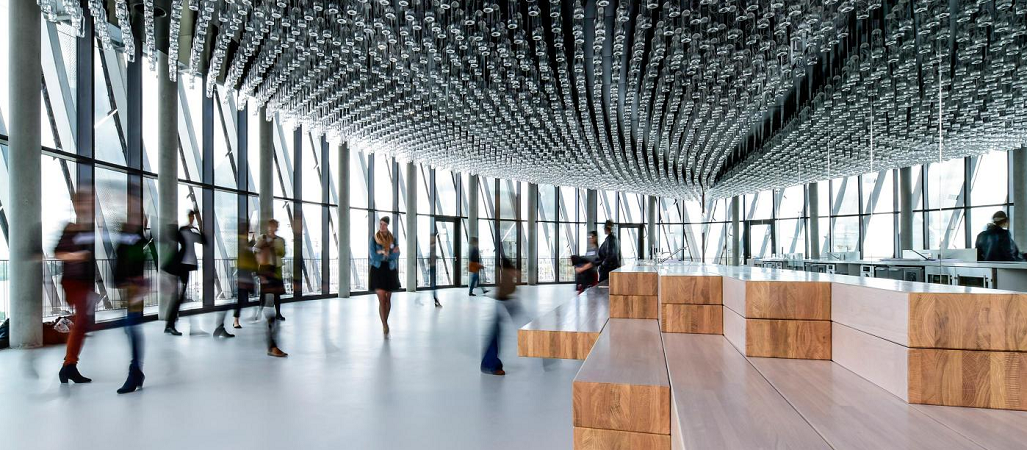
(384, 270)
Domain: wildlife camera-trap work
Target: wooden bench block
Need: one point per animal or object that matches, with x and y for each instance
(634, 283)
(623, 384)
(880, 312)
(734, 329)
(596, 439)
(803, 339)
(968, 321)
(977, 379)
(555, 344)
(634, 306)
(696, 290)
(804, 300)
(695, 319)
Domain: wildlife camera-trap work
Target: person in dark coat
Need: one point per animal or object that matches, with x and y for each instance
(609, 252)
(996, 243)
(505, 301)
(585, 274)
(183, 263)
(130, 277)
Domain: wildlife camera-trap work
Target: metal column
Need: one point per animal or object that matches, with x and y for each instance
(265, 190)
(736, 217)
(813, 206)
(532, 234)
(905, 209)
(167, 172)
(472, 207)
(650, 226)
(342, 217)
(1018, 223)
(25, 210)
(591, 210)
(411, 244)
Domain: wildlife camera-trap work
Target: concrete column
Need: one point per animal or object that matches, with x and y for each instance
(265, 190)
(410, 246)
(1018, 223)
(167, 173)
(905, 209)
(650, 227)
(532, 226)
(342, 218)
(736, 230)
(24, 211)
(814, 220)
(472, 208)
(591, 209)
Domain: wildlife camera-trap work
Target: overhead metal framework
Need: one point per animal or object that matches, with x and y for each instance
(686, 99)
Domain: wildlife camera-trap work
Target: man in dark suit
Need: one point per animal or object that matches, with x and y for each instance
(609, 252)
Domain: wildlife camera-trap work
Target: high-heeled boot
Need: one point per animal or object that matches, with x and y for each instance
(70, 372)
(134, 381)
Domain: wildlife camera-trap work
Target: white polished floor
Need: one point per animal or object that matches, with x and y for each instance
(342, 387)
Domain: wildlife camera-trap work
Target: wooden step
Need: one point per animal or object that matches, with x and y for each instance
(623, 384)
(778, 315)
(853, 413)
(570, 330)
(990, 428)
(721, 402)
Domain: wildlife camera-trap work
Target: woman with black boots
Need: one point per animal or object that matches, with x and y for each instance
(129, 276)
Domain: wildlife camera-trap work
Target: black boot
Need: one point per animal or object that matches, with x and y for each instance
(220, 331)
(70, 372)
(134, 381)
(170, 329)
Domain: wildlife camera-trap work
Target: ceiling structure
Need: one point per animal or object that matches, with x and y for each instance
(684, 99)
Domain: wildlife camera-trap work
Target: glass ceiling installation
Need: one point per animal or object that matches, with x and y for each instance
(685, 99)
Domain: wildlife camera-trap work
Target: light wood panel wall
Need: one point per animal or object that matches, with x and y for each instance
(692, 289)
(695, 319)
(634, 306)
(968, 322)
(978, 379)
(802, 339)
(801, 300)
(596, 439)
(555, 344)
(634, 283)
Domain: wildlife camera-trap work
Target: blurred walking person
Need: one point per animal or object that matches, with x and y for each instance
(130, 278)
(433, 265)
(182, 264)
(585, 273)
(270, 249)
(383, 276)
(245, 268)
(75, 251)
(474, 267)
(490, 362)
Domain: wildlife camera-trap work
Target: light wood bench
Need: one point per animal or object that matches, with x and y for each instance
(634, 293)
(934, 344)
(570, 330)
(691, 301)
(777, 314)
(621, 394)
(851, 412)
(721, 402)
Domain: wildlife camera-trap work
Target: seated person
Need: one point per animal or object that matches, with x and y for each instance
(586, 267)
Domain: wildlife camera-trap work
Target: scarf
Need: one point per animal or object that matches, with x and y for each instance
(383, 239)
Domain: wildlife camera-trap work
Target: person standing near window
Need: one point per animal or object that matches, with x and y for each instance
(474, 267)
(609, 252)
(433, 261)
(75, 251)
(184, 262)
(996, 243)
(383, 278)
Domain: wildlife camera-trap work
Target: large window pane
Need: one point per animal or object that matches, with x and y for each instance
(791, 236)
(845, 196)
(312, 168)
(110, 105)
(111, 209)
(358, 172)
(190, 128)
(989, 185)
(880, 236)
(312, 248)
(447, 184)
(508, 199)
(568, 205)
(792, 203)
(631, 208)
(226, 245)
(382, 182)
(945, 184)
(759, 206)
(360, 238)
(606, 206)
(846, 234)
(878, 192)
(547, 252)
(284, 141)
(226, 138)
(547, 203)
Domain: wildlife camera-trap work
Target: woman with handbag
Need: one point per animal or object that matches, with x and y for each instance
(383, 278)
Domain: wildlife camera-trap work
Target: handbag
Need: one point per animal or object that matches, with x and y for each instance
(474, 267)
